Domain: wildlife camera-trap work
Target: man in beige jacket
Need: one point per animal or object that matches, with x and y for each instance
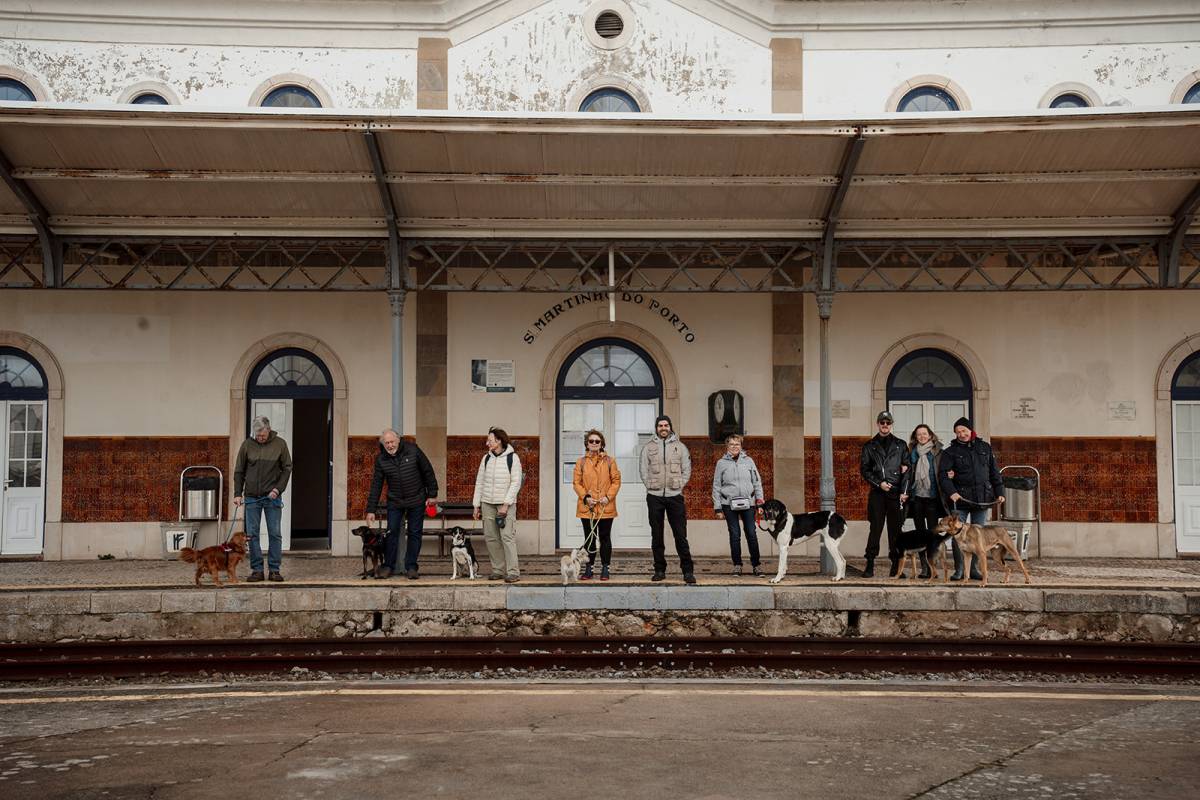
(665, 468)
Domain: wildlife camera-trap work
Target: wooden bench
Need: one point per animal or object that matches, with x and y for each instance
(453, 512)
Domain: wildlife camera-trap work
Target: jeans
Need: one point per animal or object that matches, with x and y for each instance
(411, 521)
(676, 514)
(976, 516)
(256, 508)
(604, 534)
(746, 517)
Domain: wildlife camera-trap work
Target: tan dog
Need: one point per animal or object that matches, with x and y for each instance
(979, 540)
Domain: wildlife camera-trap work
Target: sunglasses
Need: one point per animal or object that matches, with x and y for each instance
(594, 441)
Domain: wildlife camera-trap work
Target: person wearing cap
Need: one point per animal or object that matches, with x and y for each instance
(664, 468)
(970, 480)
(883, 467)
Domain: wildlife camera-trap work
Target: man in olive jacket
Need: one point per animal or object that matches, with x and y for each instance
(260, 475)
(882, 467)
(411, 482)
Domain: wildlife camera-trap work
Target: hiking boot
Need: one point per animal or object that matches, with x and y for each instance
(895, 567)
(586, 573)
(604, 572)
(411, 574)
(737, 570)
(276, 577)
(255, 577)
(689, 579)
(496, 576)
(383, 572)
(869, 569)
(758, 573)
(658, 576)
(511, 578)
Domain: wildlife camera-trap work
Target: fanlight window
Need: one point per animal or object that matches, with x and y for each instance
(18, 372)
(609, 365)
(928, 372)
(291, 369)
(291, 97)
(610, 100)
(1186, 385)
(927, 98)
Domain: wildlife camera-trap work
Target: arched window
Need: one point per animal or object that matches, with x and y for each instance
(291, 97)
(291, 373)
(1186, 384)
(607, 366)
(21, 378)
(1070, 100)
(1192, 95)
(927, 98)
(13, 90)
(929, 386)
(150, 99)
(610, 100)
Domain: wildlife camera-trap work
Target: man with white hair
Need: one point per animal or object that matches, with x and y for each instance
(411, 484)
(263, 468)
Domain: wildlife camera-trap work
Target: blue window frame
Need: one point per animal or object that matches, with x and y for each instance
(21, 377)
(610, 100)
(1193, 94)
(1070, 100)
(929, 374)
(291, 97)
(927, 98)
(1186, 383)
(607, 368)
(13, 90)
(290, 372)
(150, 99)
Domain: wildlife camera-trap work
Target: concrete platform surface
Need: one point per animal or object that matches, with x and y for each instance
(500, 740)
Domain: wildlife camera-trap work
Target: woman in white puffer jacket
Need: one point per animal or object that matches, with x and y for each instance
(496, 487)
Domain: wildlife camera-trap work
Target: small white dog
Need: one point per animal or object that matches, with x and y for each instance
(573, 564)
(462, 554)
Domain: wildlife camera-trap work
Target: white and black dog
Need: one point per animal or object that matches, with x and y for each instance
(462, 554)
(786, 528)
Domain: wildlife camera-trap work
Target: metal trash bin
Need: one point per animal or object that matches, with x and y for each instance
(200, 494)
(1023, 504)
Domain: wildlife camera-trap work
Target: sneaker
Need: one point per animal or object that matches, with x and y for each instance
(383, 572)
(276, 577)
(737, 570)
(657, 576)
(604, 573)
(411, 574)
(758, 573)
(511, 578)
(255, 577)
(496, 576)
(689, 578)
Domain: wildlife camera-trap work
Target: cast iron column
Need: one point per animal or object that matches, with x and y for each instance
(828, 493)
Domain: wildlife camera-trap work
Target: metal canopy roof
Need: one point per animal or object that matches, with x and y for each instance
(168, 171)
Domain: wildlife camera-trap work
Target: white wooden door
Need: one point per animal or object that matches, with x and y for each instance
(937, 414)
(1186, 428)
(23, 470)
(280, 414)
(627, 425)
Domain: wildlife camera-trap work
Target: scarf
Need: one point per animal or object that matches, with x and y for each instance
(921, 483)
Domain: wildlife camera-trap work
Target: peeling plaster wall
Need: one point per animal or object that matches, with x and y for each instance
(79, 72)
(683, 63)
(838, 82)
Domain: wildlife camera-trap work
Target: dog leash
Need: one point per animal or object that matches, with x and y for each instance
(232, 522)
(593, 534)
(973, 503)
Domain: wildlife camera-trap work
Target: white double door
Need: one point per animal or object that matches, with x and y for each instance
(23, 475)
(280, 413)
(937, 414)
(1186, 426)
(627, 425)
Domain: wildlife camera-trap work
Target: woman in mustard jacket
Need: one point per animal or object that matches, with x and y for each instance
(597, 481)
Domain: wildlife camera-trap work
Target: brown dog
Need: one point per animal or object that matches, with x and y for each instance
(980, 540)
(214, 559)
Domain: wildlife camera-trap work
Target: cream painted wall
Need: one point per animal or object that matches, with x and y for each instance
(1073, 351)
(160, 363)
(732, 350)
(683, 63)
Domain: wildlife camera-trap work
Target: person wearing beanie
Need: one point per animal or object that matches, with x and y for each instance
(665, 467)
(970, 480)
(883, 467)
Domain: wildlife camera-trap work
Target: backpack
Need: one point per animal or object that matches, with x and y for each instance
(489, 457)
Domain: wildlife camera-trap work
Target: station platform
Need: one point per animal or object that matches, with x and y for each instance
(1100, 600)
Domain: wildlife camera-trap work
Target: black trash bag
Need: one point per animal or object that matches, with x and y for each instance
(197, 483)
(1027, 484)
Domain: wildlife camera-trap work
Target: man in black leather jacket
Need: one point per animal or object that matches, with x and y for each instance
(882, 466)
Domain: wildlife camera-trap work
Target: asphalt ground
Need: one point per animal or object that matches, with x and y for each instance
(600, 739)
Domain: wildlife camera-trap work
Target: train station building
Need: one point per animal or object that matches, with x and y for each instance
(553, 216)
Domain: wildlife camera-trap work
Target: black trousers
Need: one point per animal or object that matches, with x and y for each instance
(604, 532)
(925, 511)
(883, 507)
(676, 515)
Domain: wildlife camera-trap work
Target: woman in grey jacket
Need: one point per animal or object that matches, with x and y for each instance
(737, 490)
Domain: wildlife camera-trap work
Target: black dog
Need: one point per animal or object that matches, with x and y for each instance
(372, 543)
(786, 528)
(462, 554)
(921, 542)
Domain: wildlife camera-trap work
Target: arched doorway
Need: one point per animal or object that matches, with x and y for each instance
(929, 386)
(24, 392)
(293, 389)
(614, 386)
(1185, 428)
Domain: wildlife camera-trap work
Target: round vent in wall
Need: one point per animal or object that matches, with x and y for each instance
(609, 25)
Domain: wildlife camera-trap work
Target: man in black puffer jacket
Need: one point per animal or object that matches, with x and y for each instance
(969, 477)
(882, 466)
(410, 482)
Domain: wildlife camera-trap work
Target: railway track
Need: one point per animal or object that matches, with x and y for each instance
(131, 659)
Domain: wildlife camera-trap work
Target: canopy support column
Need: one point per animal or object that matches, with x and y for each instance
(52, 252)
(1171, 247)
